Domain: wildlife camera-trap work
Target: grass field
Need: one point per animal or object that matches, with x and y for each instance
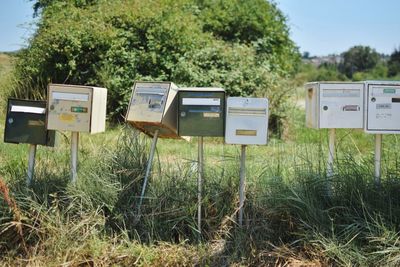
(290, 217)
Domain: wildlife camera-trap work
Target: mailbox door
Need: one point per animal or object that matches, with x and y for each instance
(246, 121)
(148, 102)
(341, 106)
(201, 113)
(26, 123)
(69, 108)
(383, 108)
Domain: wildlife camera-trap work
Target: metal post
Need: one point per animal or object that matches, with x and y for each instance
(378, 155)
(31, 164)
(148, 168)
(242, 183)
(331, 159)
(199, 182)
(74, 156)
(331, 155)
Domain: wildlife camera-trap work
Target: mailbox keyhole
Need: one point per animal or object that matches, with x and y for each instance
(10, 120)
(325, 108)
(373, 99)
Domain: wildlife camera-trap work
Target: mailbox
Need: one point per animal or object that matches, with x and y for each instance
(335, 105)
(382, 114)
(153, 106)
(201, 112)
(246, 121)
(76, 108)
(26, 123)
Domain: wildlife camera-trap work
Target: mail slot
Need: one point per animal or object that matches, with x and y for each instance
(26, 123)
(76, 108)
(246, 121)
(153, 106)
(382, 113)
(335, 105)
(201, 111)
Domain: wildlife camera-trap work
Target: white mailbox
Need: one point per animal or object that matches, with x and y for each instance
(76, 108)
(382, 114)
(246, 121)
(153, 106)
(335, 105)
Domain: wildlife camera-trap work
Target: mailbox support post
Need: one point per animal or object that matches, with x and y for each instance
(31, 164)
(242, 183)
(74, 156)
(331, 159)
(148, 168)
(199, 182)
(378, 156)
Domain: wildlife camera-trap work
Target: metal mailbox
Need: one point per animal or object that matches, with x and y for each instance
(382, 114)
(335, 105)
(26, 123)
(246, 121)
(201, 112)
(76, 108)
(153, 106)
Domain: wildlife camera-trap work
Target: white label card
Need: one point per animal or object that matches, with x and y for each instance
(27, 109)
(201, 101)
(70, 96)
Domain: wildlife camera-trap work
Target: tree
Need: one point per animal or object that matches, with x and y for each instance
(394, 63)
(358, 59)
(242, 46)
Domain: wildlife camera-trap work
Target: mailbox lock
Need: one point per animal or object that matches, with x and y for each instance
(325, 108)
(373, 99)
(52, 107)
(10, 120)
(183, 114)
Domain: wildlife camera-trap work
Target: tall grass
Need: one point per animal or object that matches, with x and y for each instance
(290, 216)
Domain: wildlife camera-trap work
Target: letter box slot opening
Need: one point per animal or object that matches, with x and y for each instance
(396, 100)
(247, 111)
(26, 109)
(201, 101)
(341, 93)
(351, 108)
(70, 96)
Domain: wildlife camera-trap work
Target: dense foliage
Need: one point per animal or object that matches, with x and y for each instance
(394, 63)
(241, 46)
(359, 58)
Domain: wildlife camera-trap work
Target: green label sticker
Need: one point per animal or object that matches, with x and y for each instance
(389, 91)
(79, 109)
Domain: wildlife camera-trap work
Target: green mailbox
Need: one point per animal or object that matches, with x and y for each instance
(201, 112)
(26, 123)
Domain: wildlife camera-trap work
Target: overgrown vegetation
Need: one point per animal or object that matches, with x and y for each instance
(289, 215)
(242, 46)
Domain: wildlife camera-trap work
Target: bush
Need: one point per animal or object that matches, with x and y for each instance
(193, 43)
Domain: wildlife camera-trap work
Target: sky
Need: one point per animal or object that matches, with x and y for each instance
(323, 27)
(15, 19)
(320, 27)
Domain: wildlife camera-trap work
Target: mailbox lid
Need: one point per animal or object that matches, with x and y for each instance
(69, 107)
(246, 121)
(312, 106)
(341, 105)
(153, 106)
(26, 123)
(148, 102)
(201, 112)
(382, 107)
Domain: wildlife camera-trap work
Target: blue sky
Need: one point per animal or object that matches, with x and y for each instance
(324, 27)
(320, 27)
(15, 19)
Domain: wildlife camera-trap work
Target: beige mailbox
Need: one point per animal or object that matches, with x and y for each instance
(76, 108)
(153, 107)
